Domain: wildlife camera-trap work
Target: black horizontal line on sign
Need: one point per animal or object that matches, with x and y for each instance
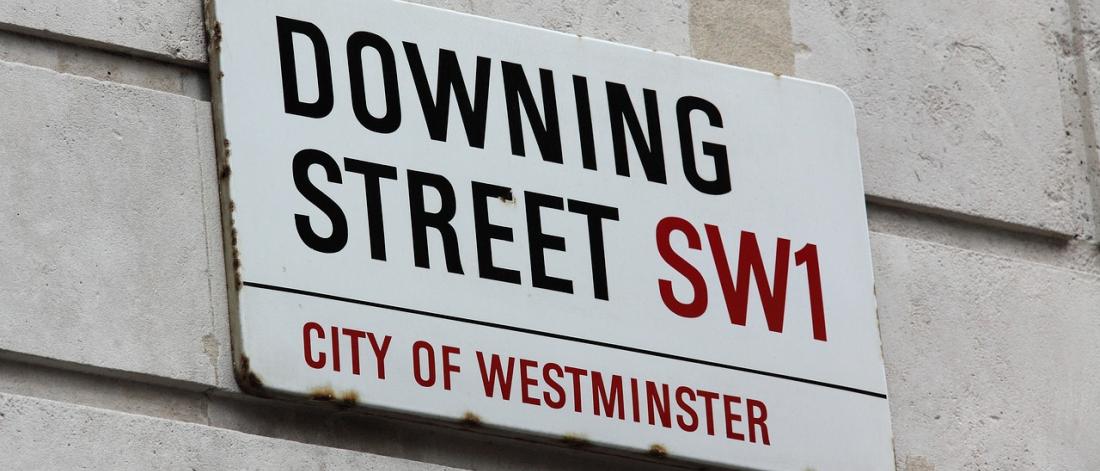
(568, 338)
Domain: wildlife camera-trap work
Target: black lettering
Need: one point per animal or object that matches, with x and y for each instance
(392, 119)
(721, 183)
(292, 103)
(596, 213)
(336, 241)
(538, 242)
(584, 119)
(650, 153)
(547, 134)
(449, 77)
(372, 175)
(485, 232)
(440, 221)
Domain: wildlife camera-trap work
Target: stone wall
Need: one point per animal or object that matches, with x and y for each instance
(980, 157)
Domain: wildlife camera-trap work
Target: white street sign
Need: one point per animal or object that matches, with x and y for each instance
(444, 215)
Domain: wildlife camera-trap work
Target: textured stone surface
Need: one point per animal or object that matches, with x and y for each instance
(173, 30)
(1084, 21)
(323, 424)
(167, 29)
(103, 65)
(457, 445)
(112, 254)
(56, 435)
(990, 361)
(748, 33)
(659, 25)
(110, 223)
(959, 103)
(46, 380)
(1077, 255)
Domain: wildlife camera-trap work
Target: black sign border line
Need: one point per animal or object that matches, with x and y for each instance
(568, 338)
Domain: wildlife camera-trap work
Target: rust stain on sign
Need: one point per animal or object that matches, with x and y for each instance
(658, 450)
(349, 398)
(471, 419)
(248, 381)
(326, 393)
(236, 258)
(576, 440)
(322, 393)
(223, 172)
(216, 36)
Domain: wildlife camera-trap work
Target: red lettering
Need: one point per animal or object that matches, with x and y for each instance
(684, 406)
(335, 348)
(657, 403)
(355, 336)
(749, 260)
(495, 375)
(418, 347)
(709, 398)
(697, 410)
(808, 256)
(525, 381)
(307, 344)
(728, 401)
(554, 385)
(610, 400)
(448, 367)
(634, 403)
(576, 373)
(380, 353)
(698, 304)
(758, 413)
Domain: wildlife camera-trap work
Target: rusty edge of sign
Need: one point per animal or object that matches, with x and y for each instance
(252, 383)
(247, 380)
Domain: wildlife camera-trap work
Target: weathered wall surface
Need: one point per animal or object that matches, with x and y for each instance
(978, 133)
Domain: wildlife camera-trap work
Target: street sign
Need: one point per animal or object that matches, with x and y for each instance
(438, 214)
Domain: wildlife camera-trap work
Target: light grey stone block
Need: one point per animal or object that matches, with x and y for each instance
(104, 65)
(990, 361)
(111, 253)
(747, 33)
(1084, 43)
(42, 379)
(167, 29)
(959, 104)
(48, 435)
(662, 25)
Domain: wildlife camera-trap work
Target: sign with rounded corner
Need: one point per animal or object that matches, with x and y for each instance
(437, 214)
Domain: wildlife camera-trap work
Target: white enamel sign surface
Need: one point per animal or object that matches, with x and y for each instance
(467, 219)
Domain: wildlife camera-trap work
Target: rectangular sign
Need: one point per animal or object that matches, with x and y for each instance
(439, 214)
